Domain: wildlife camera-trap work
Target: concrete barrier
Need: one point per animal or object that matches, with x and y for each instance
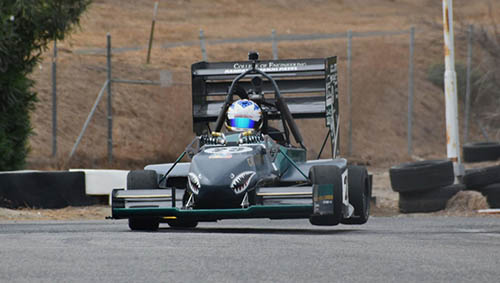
(101, 182)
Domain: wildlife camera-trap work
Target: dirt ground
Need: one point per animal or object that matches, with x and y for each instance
(68, 213)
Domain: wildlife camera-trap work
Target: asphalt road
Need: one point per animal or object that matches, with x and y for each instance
(397, 249)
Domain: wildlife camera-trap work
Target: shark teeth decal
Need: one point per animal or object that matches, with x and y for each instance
(194, 183)
(241, 182)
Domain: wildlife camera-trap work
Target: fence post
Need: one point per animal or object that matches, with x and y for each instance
(349, 89)
(87, 121)
(467, 90)
(155, 12)
(275, 44)
(54, 101)
(410, 91)
(110, 108)
(202, 46)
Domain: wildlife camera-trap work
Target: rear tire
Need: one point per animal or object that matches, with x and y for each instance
(359, 195)
(142, 180)
(328, 175)
(143, 224)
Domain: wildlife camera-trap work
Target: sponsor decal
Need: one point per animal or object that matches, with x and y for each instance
(220, 156)
(228, 150)
(326, 197)
(323, 199)
(266, 67)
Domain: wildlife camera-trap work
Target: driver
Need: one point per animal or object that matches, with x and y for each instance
(243, 115)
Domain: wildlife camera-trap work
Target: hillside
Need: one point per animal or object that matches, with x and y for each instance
(153, 124)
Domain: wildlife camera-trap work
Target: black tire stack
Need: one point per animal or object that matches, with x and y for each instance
(486, 181)
(481, 151)
(424, 186)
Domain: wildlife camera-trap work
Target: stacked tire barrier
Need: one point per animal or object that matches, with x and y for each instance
(424, 186)
(43, 189)
(481, 151)
(486, 181)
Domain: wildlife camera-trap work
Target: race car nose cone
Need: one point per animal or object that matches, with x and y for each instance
(217, 197)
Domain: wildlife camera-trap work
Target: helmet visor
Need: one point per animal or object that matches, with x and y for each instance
(242, 123)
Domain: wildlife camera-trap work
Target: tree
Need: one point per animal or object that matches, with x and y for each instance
(26, 29)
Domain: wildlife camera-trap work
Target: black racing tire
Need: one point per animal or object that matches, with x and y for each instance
(143, 224)
(476, 179)
(492, 194)
(142, 180)
(481, 151)
(328, 174)
(182, 223)
(429, 201)
(359, 195)
(421, 175)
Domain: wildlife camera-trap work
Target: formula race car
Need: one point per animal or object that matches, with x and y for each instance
(244, 163)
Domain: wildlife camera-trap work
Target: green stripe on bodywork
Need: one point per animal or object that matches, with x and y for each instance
(257, 211)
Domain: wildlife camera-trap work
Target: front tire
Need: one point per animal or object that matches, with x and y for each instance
(327, 175)
(143, 224)
(183, 223)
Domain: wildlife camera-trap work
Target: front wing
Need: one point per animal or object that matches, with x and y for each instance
(273, 203)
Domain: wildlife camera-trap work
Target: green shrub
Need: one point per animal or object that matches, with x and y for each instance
(435, 75)
(26, 28)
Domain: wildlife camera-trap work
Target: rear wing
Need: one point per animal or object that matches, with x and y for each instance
(308, 86)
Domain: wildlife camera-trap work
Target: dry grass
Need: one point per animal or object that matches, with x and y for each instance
(68, 213)
(469, 201)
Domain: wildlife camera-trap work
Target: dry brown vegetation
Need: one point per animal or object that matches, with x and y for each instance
(153, 124)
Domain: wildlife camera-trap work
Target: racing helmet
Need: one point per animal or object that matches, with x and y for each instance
(243, 115)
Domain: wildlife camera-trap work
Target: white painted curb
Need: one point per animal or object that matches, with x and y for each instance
(102, 182)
